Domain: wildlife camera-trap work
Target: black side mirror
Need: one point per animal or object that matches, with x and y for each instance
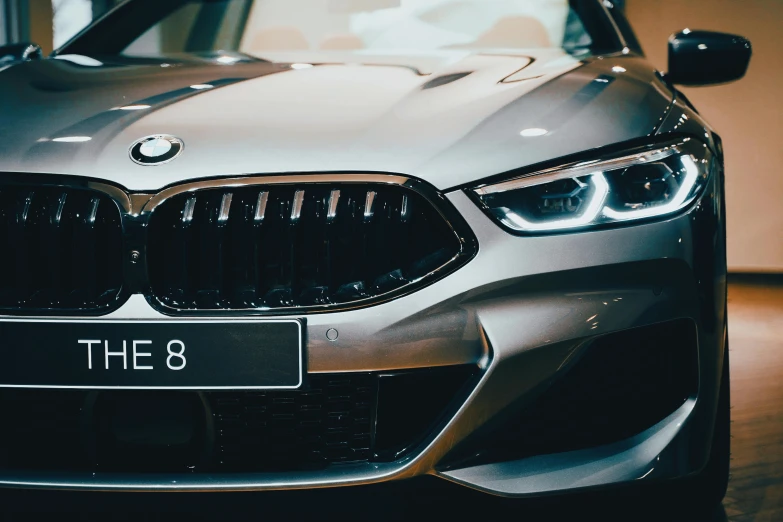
(20, 52)
(706, 57)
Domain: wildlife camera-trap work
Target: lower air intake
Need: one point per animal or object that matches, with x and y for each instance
(335, 419)
(622, 384)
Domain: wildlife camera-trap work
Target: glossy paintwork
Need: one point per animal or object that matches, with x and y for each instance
(707, 57)
(518, 314)
(520, 309)
(269, 118)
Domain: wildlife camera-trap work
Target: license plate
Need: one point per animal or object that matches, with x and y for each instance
(200, 355)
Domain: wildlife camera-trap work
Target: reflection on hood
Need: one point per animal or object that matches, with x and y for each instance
(449, 118)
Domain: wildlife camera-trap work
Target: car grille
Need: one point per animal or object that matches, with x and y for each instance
(337, 418)
(283, 246)
(61, 249)
(265, 245)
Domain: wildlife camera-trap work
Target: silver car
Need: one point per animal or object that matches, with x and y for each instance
(293, 244)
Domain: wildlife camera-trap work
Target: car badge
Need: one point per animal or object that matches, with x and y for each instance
(156, 150)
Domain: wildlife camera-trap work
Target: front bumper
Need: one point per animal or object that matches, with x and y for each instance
(519, 310)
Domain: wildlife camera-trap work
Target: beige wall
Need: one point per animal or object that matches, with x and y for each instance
(41, 24)
(748, 115)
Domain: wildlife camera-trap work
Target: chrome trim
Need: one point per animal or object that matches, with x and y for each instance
(263, 198)
(296, 208)
(190, 207)
(119, 195)
(369, 211)
(230, 182)
(225, 207)
(173, 140)
(334, 198)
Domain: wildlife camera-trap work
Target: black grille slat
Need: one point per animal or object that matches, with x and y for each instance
(255, 267)
(281, 292)
(242, 274)
(283, 246)
(53, 240)
(84, 251)
(312, 250)
(178, 253)
(20, 246)
(330, 237)
(7, 261)
(295, 254)
(108, 249)
(64, 249)
(210, 252)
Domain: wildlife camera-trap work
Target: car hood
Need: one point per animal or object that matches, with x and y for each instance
(448, 118)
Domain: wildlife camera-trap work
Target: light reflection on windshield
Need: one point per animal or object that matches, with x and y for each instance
(263, 27)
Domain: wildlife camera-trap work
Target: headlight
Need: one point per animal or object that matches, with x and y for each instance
(647, 183)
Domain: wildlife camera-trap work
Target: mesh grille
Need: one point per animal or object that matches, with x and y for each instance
(337, 418)
(328, 423)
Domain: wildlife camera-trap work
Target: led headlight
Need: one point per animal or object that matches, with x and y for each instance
(647, 183)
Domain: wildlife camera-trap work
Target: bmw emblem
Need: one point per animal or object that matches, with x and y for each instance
(156, 150)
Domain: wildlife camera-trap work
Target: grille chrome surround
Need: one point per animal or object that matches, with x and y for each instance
(138, 210)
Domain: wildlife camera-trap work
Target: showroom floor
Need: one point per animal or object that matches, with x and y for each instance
(756, 341)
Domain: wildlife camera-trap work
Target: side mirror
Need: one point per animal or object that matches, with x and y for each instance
(20, 52)
(706, 57)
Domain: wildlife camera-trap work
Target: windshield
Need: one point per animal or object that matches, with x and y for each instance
(261, 28)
